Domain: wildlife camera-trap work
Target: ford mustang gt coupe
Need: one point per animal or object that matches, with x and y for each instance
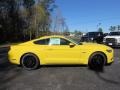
(59, 50)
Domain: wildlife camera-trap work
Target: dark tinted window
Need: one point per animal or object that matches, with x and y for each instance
(64, 42)
(42, 42)
(114, 33)
(94, 34)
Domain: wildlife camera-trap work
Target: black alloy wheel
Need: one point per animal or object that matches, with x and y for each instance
(97, 61)
(30, 62)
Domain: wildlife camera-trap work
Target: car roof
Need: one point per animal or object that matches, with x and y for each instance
(51, 36)
(60, 36)
(114, 31)
(45, 37)
(95, 32)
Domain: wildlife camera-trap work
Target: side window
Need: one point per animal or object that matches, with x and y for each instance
(42, 42)
(54, 41)
(64, 42)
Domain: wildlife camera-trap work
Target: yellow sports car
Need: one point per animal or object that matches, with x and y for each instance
(59, 50)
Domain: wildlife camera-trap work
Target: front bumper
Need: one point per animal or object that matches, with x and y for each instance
(112, 42)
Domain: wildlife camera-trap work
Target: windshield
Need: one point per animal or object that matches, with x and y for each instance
(114, 33)
(73, 40)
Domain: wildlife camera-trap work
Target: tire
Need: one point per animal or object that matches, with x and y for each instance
(97, 61)
(30, 61)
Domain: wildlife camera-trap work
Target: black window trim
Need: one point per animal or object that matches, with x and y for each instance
(35, 42)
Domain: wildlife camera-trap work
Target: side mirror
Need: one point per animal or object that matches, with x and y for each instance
(71, 44)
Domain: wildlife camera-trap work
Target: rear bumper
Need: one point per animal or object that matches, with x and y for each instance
(14, 59)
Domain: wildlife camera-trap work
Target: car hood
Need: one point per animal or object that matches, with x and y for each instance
(95, 46)
(112, 37)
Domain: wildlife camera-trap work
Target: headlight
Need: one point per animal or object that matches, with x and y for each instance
(109, 50)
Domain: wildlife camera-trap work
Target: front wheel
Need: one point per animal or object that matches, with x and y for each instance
(30, 61)
(97, 61)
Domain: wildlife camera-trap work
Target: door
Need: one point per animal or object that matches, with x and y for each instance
(60, 52)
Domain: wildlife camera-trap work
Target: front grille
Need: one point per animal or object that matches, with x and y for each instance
(111, 40)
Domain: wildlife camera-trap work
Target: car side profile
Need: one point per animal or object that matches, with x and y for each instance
(59, 50)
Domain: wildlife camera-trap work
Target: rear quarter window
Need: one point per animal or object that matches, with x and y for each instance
(42, 42)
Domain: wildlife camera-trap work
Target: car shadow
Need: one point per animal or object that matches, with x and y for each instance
(98, 72)
(65, 65)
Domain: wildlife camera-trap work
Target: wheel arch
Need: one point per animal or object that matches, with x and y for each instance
(98, 52)
(29, 53)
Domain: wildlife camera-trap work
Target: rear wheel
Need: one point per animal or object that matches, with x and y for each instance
(97, 61)
(30, 61)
